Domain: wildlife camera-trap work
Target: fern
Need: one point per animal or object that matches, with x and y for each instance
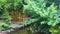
(39, 8)
(49, 16)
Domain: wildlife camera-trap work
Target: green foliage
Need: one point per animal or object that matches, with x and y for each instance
(55, 30)
(49, 16)
(8, 3)
(5, 7)
(5, 26)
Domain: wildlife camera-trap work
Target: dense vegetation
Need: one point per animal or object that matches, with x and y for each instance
(49, 16)
(7, 6)
(44, 14)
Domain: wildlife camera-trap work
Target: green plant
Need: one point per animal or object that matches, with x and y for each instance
(4, 26)
(5, 7)
(48, 15)
(55, 30)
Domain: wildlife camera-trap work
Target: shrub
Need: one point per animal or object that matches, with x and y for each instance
(48, 15)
